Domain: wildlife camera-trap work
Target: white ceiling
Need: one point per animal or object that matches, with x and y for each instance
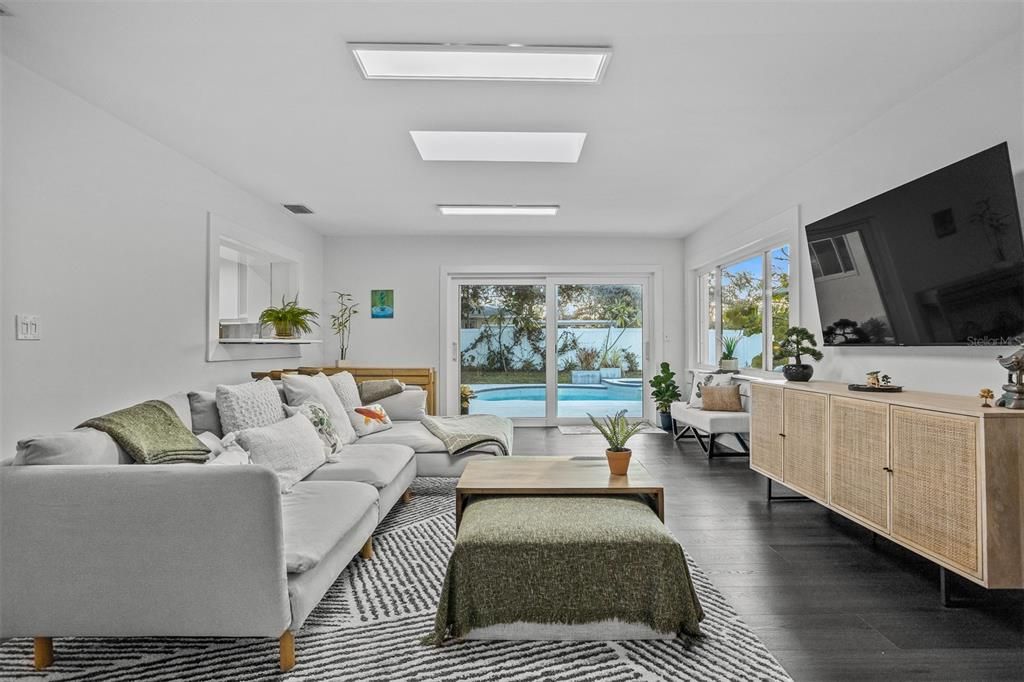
(701, 102)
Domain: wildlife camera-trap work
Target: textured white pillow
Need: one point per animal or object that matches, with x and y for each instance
(250, 405)
(345, 386)
(291, 448)
(702, 379)
(324, 425)
(409, 405)
(301, 389)
(370, 419)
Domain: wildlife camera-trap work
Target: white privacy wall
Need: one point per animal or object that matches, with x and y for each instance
(412, 267)
(973, 108)
(105, 235)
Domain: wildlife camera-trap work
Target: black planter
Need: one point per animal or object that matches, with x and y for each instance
(665, 421)
(798, 372)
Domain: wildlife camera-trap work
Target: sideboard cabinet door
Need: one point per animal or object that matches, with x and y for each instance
(805, 416)
(935, 484)
(766, 429)
(859, 460)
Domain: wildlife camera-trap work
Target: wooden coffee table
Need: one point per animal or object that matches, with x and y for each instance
(553, 476)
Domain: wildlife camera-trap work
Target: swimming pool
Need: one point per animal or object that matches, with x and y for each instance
(566, 393)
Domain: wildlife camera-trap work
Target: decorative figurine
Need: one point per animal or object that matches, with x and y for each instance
(986, 395)
(1013, 391)
(873, 380)
(886, 380)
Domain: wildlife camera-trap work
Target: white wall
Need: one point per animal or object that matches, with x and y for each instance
(105, 237)
(412, 267)
(975, 107)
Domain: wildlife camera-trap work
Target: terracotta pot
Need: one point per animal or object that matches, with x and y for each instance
(618, 461)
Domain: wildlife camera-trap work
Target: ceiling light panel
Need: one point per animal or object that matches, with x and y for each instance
(460, 145)
(492, 210)
(399, 61)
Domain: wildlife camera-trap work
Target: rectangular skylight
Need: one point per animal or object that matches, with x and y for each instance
(460, 145)
(405, 61)
(492, 209)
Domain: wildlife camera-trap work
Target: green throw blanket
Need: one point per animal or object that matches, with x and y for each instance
(471, 431)
(151, 433)
(565, 560)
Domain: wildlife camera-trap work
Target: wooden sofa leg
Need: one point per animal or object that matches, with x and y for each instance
(367, 551)
(42, 649)
(287, 643)
(407, 496)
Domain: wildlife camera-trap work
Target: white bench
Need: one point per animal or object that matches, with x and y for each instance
(707, 426)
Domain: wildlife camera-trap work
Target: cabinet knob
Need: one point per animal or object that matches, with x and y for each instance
(887, 469)
(782, 435)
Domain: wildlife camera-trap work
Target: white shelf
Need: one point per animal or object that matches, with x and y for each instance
(270, 342)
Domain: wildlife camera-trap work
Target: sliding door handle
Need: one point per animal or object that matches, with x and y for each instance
(455, 351)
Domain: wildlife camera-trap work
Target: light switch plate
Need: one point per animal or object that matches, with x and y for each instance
(26, 327)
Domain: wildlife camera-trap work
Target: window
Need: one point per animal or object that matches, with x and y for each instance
(831, 257)
(753, 296)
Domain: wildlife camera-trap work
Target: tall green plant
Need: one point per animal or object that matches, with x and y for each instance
(341, 321)
(665, 390)
(729, 345)
(289, 317)
(616, 429)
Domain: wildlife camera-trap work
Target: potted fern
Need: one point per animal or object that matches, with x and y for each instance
(729, 362)
(616, 429)
(341, 324)
(798, 341)
(664, 393)
(289, 318)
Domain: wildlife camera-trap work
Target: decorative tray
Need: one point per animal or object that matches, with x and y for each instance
(874, 389)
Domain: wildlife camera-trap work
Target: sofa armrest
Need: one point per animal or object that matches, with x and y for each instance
(141, 550)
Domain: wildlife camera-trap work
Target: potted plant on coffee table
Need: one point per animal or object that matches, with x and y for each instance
(729, 362)
(665, 392)
(289, 318)
(796, 342)
(616, 429)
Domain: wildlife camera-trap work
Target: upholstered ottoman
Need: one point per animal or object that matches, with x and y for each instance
(565, 567)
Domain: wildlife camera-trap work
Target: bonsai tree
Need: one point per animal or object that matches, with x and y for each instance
(665, 392)
(798, 341)
(341, 321)
(289, 317)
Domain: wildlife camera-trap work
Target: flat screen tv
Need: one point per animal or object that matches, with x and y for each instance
(937, 261)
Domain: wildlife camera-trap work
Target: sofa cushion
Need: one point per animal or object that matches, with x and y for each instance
(374, 390)
(299, 389)
(409, 405)
(413, 434)
(291, 448)
(81, 446)
(205, 416)
(376, 465)
(317, 515)
(345, 386)
(249, 405)
(711, 422)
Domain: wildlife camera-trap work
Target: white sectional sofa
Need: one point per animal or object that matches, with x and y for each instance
(106, 547)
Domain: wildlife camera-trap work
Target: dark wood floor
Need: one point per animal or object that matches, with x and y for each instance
(827, 600)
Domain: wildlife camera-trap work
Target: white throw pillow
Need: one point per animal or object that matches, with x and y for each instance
(345, 386)
(320, 419)
(291, 448)
(409, 405)
(211, 441)
(232, 455)
(702, 379)
(250, 405)
(301, 389)
(370, 419)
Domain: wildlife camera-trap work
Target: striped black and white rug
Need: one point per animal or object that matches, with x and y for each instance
(369, 625)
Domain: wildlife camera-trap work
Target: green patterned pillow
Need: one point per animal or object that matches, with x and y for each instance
(317, 414)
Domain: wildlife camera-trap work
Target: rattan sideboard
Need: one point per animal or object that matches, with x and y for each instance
(935, 473)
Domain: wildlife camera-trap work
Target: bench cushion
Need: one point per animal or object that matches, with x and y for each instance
(711, 422)
(377, 465)
(318, 514)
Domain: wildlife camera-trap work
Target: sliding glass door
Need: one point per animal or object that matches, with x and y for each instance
(548, 350)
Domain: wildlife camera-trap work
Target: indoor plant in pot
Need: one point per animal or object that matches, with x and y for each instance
(665, 392)
(796, 342)
(341, 324)
(289, 318)
(729, 362)
(616, 429)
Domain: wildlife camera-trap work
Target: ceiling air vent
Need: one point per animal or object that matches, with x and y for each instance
(298, 209)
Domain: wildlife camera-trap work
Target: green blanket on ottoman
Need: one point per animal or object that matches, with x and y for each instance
(565, 560)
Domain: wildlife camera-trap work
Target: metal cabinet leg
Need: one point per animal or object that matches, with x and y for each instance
(784, 498)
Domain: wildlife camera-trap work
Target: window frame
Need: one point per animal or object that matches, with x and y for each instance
(764, 250)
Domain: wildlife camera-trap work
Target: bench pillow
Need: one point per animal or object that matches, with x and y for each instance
(721, 399)
(702, 379)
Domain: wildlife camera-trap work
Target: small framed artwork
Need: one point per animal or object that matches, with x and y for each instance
(382, 304)
(943, 223)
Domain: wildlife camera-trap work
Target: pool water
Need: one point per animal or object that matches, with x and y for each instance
(565, 393)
